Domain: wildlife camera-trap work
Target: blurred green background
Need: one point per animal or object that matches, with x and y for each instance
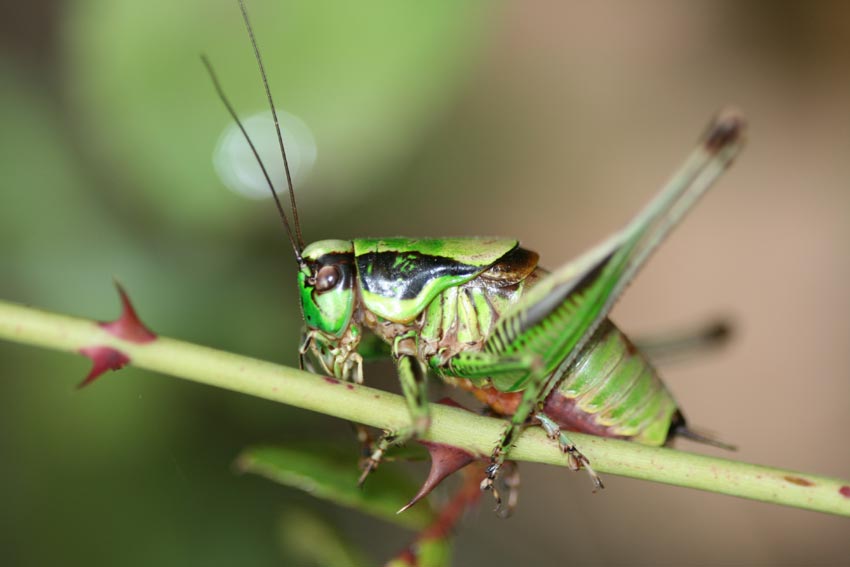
(548, 121)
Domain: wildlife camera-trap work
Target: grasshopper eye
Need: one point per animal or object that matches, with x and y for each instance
(327, 277)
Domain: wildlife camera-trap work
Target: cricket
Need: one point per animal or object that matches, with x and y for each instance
(535, 346)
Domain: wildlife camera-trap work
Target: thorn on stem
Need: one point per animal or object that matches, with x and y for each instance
(103, 358)
(128, 326)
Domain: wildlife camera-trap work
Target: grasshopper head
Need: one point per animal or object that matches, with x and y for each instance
(326, 284)
(326, 268)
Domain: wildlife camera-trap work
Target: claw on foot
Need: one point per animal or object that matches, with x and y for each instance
(489, 484)
(511, 485)
(595, 478)
(370, 465)
(510, 481)
(578, 461)
(575, 459)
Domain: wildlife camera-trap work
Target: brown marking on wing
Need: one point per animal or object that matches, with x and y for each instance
(727, 129)
(512, 268)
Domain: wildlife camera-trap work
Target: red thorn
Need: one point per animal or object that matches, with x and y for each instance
(103, 358)
(128, 327)
(445, 460)
(466, 497)
(844, 491)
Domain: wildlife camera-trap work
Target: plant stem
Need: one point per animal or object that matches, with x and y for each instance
(452, 426)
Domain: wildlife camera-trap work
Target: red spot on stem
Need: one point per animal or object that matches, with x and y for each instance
(844, 491)
(330, 380)
(799, 481)
(128, 326)
(103, 358)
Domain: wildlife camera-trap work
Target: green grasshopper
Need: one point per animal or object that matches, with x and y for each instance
(479, 313)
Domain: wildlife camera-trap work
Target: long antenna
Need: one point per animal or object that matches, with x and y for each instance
(276, 123)
(232, 112)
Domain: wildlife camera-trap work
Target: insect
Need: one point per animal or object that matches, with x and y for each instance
(480, 313)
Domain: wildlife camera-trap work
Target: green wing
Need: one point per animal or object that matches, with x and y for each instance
(556, 318)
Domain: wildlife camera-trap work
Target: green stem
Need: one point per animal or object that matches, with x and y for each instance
(450, 425)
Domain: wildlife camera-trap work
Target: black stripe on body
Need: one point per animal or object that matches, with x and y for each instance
(403, 275)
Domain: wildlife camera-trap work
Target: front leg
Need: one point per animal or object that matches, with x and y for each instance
(412, 377)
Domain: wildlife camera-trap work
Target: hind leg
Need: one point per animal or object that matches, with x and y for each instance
(481, 364)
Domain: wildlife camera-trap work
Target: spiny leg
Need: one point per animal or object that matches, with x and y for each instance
(515, 426)
(510, 480)
(576, 460)
(533, 375)
(535, 380)
(412, 377)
